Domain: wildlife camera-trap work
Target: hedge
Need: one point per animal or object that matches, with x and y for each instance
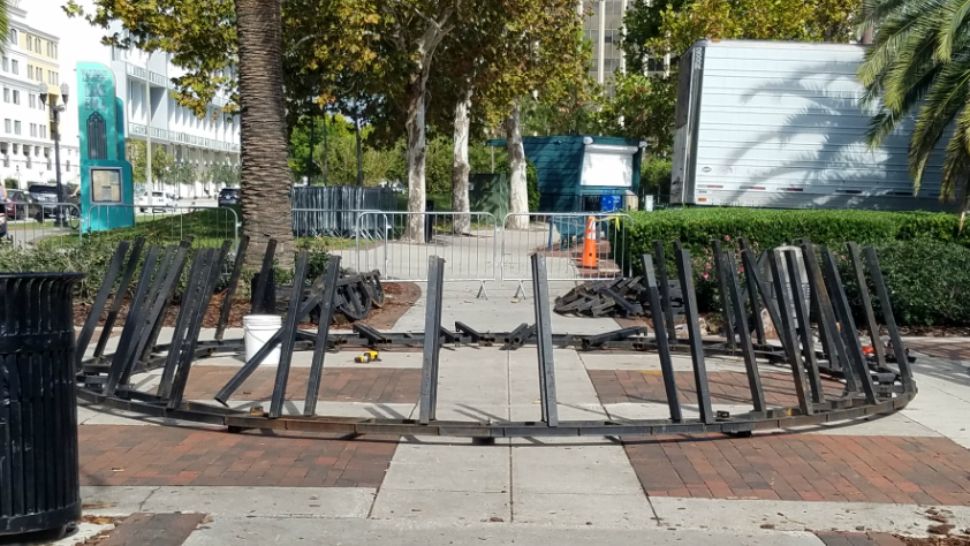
(924, 255)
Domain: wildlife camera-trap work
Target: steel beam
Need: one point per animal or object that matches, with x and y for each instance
(686, 273)
(331, 275)
(885, 305)
(100, 300)
(663, 343)
(785, 309)
(230, 292)
(729, 264)
(428, 403)
(289, 336)
(547, 365)
(804, 328)
(119, 297)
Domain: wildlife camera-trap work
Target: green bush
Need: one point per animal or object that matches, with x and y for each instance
(928, 281)
(924, 255)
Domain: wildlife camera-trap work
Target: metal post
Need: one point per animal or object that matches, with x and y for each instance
(663, 345)
(784, 308)
(323, 332)
(849, 332)
(94, 315)
(119, 296)
(726, 314)
(744, 334)
(230, 293)
(262, 283)
(855, 254)
(196, 274)
(804, 328)
(828, 328)
(751, 270)
(663, 281)
(134, 311)
(686, 273)
(885, 305)
(289, 336)
(432, 341)
(752, 285)
(547, 366)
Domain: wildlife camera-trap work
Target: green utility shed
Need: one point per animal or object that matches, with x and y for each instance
(583, 173)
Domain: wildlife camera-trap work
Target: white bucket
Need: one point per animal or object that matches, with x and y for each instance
(257, 331)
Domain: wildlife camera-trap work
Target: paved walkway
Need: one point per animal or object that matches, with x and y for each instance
(905, 474)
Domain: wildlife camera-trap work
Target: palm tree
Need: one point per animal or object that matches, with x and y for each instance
(919, 66)
(265, 173)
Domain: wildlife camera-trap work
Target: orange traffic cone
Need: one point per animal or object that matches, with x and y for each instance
(590, 259)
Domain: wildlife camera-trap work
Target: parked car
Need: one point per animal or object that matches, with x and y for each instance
(3, 226)
(19, 205)
(157, 201)
(46, 196)
(229, 197)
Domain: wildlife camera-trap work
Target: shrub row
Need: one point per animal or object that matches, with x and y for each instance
(924, 256)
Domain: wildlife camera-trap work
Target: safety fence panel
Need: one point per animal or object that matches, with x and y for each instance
(315, 222)
(577, 246)
(29, 223)
(398, 244)
(208, 226)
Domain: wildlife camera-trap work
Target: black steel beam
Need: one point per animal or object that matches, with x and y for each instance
(331, 276)
(740, 315)
(885, 305)
(803, 327)
(128, 332)
(230, 293)
(119, 296)
(787, 320)
(262, 282)
(428, 402)
(855, 255)
(100, 300)
(835, 349)
(663, 343)
(686, 272)
(726, 311)
(547, 365)
(663, 283)
(752, 284)
(289, 336)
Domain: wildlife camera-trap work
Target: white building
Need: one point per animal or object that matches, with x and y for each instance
(145, 84)
(603, 27)
(199, 142)
(30, 61)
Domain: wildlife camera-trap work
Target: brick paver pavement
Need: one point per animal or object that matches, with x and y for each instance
(614, 386)
(806, 467)
(162, 455)
(384, 385)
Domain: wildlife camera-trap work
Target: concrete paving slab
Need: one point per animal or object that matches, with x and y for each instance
(350, 532)
(453, 507)
(616, 511)
(743, 515)
(451, 468)
(577, 469)
(331, 502)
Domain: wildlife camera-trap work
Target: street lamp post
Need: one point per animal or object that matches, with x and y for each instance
(51, 100)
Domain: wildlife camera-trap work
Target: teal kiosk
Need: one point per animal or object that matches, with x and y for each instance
(107, 190)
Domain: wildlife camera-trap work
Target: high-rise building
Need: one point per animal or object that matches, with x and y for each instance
(603, 27)
(30, 65)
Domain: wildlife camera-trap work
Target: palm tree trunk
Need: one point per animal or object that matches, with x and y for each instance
(461, 203)
(518, 184)
(266, 182)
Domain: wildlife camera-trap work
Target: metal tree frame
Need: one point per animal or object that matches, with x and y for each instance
(872, 386)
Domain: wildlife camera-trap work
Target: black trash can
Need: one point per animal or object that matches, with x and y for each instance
(39, 488)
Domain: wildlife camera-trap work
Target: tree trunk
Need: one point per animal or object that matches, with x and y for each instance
(265, 175)
(461, 203)
(518, 185)
(417, 148)
(325, 163)
(360, 153)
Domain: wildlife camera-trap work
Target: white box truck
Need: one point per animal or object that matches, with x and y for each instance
(780, 124)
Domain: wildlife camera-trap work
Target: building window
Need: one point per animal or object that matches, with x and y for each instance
(43, 131)
(33, 130)
(16, 96)
(6, 64)
(6, 95)
(17, 126)
(13, 36)
(67, 166)
(15, 67)
(30, 71)
(32, 100)
(6, 126)
(52, 77)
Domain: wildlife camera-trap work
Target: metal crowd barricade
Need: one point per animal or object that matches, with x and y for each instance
(314, 222)
(176, 222)
(28, 223)
(560, 237)
(468, 241)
